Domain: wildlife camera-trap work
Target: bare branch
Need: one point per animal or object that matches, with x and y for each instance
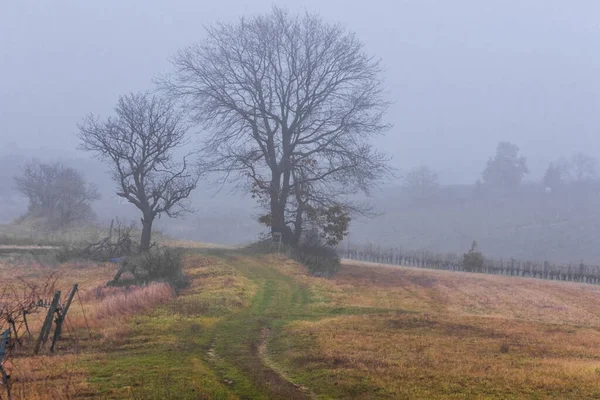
(289, 101)
(139, 144)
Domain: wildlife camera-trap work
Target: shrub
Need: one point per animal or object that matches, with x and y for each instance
(312, 252)
(164, 264)
(320, 258)
(473, 260)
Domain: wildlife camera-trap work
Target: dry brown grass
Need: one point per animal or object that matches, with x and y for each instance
(105, 311)
(131, 301)
(120, 320)
(448, 335)
(369, 332)
(48, 377)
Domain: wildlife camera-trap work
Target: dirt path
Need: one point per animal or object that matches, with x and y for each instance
(239, 351)
(267, 361)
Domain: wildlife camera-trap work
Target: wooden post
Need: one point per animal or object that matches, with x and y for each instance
(12, 323)
(47, 323)
(25, 321)
(5, 377)
(62, 314)
(3, 342)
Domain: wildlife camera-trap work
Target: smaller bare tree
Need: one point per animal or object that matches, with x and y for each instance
(139, 144)
(421, 182)
(583, 167)
(57, 194)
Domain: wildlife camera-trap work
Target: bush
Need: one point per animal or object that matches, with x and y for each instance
(473, 260)
(320, 258)
(164, 264)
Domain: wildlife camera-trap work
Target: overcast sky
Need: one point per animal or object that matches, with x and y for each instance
(463, 74)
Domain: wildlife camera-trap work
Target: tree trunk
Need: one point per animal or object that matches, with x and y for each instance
(280, 187)
(277, 203)
(146, 232)
(295, 239)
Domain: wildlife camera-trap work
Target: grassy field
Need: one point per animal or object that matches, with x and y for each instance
(258, 327)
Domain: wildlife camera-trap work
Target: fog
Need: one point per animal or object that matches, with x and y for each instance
(463, 75)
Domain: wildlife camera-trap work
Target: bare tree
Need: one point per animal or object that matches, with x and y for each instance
(291, 103)
(421, 182)
(139, 144)
(579, 168)
(583, 167)
(57, 194)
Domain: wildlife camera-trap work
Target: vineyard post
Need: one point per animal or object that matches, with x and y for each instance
(5, 377)
(11, 321)
(26, 324)
(47, 323)
(62, 314)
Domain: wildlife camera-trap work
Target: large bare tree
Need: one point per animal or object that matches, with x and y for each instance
(57, 194)
(583, 168)
(422, 182)
(290, 104)
(140, 145)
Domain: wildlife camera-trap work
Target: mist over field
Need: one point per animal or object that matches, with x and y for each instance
(461, 76)
(279, 199)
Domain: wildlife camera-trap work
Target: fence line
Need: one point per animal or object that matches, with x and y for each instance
(453, 262)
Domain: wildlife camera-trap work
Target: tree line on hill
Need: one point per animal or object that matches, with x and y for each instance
(505, 171)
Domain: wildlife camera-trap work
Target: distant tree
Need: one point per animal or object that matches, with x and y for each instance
(473, 260)
(421, 182)
(292, 103)
(553, 177)
(506, 169)
(57, 194)
(139, 145)
(583, 167)
(579, 168)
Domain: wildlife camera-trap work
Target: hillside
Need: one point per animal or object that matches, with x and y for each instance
(560, 227)
(257, 326)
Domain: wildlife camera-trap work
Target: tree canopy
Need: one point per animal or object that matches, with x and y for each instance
(139, 144)
(289, 104)
(506, 169)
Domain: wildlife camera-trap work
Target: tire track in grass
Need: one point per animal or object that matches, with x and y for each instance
(239, 351)
(264, 355)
